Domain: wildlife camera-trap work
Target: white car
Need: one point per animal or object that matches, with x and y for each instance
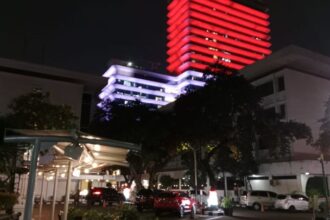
(292, 202)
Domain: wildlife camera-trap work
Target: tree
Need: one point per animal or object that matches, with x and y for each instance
(30, 111)
(139, 124)
(224, 120)
(323, 141)
(34, 111)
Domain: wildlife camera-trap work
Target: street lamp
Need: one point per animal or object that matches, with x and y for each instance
(195, 167)
(325, 185)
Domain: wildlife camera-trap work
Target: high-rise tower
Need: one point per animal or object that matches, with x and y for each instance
(233, 33)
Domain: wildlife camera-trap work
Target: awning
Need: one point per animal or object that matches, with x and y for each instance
(71, 150)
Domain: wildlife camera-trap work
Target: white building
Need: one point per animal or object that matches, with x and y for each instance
(78, 90)
(132, 83)
(296, 84)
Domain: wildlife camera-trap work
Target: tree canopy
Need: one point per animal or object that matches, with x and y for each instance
(35, 111)
(139, 124)
(29, 111)
(225, 121)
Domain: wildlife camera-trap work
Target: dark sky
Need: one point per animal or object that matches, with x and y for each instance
(85, 35)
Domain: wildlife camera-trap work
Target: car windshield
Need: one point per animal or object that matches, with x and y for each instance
(281, 196)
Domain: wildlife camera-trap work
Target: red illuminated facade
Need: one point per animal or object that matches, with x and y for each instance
(205, 32)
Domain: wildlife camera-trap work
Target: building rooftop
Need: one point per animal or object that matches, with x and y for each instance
(52, 73)
(292, 57)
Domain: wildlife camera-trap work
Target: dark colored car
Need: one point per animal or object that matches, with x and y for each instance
(145, 199)
(177, 202)
(100, 195)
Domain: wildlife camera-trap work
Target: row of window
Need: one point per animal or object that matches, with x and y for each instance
(270, 87)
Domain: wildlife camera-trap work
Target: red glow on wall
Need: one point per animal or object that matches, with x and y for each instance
(205, 32)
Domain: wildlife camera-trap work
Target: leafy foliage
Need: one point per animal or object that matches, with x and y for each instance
(7, 200)
(29, 111)
(225, 121)
(323, 142)
(34, 111)
(122, 212)
(138, 124)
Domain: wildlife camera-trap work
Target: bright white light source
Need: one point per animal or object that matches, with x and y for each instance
(88, 159)
(62, 175)
(84, 192)
(97, 147)
(94, 165)
(86, 170)
(76, 172)
(307, 173)
(127, 193)
(129, 64)
(39, 173)
(213, 199)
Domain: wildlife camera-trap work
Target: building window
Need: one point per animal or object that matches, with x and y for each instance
(280, 84)
(265, 89)
(270, 111)
(282, 112)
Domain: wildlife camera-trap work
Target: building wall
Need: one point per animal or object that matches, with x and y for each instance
(14, 85)
(306, 96)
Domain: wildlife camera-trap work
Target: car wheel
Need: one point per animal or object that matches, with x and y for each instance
(181, 212)
(256, 206)
(292, 208)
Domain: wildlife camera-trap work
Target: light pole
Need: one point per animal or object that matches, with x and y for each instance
(195, 168)
(325, 185)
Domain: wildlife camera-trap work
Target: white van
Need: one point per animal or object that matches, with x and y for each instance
(257, 198)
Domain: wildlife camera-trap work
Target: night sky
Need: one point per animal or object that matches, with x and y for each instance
(85, 35)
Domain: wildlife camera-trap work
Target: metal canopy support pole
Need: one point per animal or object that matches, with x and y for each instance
(54, 195)
(195, 171)
(41, 195)
(31, 181)
(67, 191)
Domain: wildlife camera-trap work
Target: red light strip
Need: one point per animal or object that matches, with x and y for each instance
(213, 61)
(179, 37)
(177, 47)
(221, 54)
(236, 43)
(229, 18)
(176, 16)
(244, 9)
(173, 4)
(176, 8)
(218, 22)
(228, 9)
(178, 24)
(233, 34)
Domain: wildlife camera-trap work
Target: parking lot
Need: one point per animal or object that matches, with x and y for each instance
(242, 213)
(239, 213)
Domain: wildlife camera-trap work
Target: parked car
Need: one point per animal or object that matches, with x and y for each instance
(99, 195)
(178, 202)
(292, 202)
(145, 199)
(257, 198)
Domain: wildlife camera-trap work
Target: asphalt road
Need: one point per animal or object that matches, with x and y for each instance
(242, 213)
(239, 214)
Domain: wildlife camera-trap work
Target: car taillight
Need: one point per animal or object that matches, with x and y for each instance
(97, 193)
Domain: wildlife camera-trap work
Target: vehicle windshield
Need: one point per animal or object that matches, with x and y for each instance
(281, 196)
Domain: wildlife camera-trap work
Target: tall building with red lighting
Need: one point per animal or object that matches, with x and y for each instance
(232, 33)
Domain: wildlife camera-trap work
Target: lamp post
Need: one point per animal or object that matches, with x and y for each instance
(325, 185)
(195, 168)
